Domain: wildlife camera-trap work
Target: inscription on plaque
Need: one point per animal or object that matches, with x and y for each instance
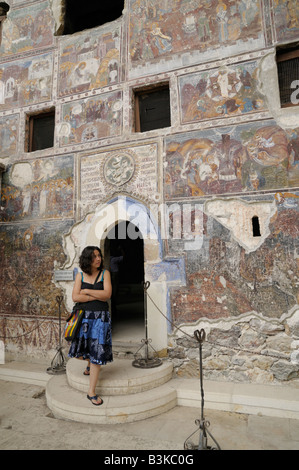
(134, 170)
(63, 275)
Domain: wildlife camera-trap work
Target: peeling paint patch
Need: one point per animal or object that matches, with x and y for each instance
(237, 216)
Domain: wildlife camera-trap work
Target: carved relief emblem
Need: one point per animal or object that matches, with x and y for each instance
(119, 168)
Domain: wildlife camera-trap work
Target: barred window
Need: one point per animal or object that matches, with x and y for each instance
(288, 75)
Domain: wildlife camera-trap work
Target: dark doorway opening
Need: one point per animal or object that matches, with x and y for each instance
(90, 14)
(124, 248)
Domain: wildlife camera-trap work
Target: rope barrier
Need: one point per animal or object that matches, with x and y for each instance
(28, 332)
(214, 343)
(24, 334)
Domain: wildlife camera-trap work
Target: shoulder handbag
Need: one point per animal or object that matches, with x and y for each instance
(73, 324)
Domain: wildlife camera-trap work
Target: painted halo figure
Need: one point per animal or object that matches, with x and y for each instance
(92, 290)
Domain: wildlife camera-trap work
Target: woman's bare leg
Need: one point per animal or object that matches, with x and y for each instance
(93, 379)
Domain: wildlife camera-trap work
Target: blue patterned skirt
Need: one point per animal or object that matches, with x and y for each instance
(94, 341)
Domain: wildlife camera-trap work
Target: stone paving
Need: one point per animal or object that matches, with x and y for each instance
(26, 423)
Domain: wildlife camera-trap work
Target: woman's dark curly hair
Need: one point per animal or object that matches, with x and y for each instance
(87, 257)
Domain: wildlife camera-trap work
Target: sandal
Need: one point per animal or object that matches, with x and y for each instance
(87, 370)
(95, 398)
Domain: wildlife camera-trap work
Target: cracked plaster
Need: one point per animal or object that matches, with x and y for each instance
(237, 215)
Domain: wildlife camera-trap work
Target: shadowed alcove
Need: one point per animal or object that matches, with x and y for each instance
(124, 248)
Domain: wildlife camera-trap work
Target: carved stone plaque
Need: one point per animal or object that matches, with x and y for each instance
(119, 168)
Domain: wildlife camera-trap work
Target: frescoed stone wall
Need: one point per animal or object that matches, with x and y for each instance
(227, 91)
(91, 119)
(230, 156)
(27, 28)
(9, 135)
(187, 27)
(93, 61)
(26, 82)
(227, 277)
(28, 255)
(224, 160)
(286, 19)
(133, 170)
(38, 189)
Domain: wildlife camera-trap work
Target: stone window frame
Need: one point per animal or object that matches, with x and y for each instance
(29, 128)
(137, 92)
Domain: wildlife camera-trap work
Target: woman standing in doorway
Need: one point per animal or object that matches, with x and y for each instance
(91, 291)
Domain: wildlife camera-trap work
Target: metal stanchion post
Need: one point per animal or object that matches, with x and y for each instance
(146, 362)
(58, 365)
(202, 423)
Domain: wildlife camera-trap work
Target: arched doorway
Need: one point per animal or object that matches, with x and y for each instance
(161, 274)
(124, 255)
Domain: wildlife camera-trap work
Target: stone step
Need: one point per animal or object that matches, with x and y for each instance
(67, 403)
(125, 349)
(254, 399)
(119, 377)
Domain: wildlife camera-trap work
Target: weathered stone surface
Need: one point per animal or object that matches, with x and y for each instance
(284, 370)
(293, 324)
(265, 327)
(187, 342)
(226, 338)
(250, 339)
(189, 369)
(217, 363)
(241, 353)
(280, 343)
(178, 353)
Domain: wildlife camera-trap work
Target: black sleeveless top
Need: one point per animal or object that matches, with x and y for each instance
(93, 305)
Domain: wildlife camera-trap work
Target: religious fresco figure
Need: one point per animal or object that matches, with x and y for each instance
(222, 92)
(189, 25)
(91, 119)
(229, 160)
(286, 14)
(46, 191)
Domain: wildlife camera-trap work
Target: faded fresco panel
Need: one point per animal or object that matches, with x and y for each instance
(248, 157)
(38, 189)
(222, 92)
(286, 19)
(92, 61)
(28, 256)
(160, 28)
(25, 82)
(27, 28)
(91, 119)
(224, 281)
(8, 135)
